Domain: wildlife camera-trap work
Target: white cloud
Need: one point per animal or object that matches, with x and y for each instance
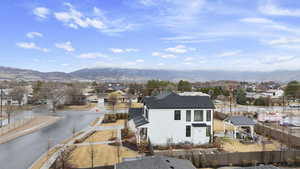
(189, 59)
(131, 50)
(139, 61)
(65, 64)
(67, 46)
(160, 64)
(76, 19)
(92, 55)
(179, 49)
(257, 20)
(230, 53)
(188, 39)
(284, 41)
(271, 9)
(177, 11)
(34, 35)
(41, 12)
(187, 63)
(31, 45)
(163, 55)
(118, 50)
(147, 2)
(271, 59)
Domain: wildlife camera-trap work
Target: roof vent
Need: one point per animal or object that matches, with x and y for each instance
(168, 161)
(171, 167)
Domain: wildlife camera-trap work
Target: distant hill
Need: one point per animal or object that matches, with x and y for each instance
(7, 73)
(139, 75)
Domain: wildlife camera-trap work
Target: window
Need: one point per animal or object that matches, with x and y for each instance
(177, 115)
(188, 115)
(188, 131)
(198, 115)
(147, 114)
(208, 131)
(208, 115)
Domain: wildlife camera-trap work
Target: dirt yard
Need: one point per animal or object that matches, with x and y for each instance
(99, 136)
(124, 106)
(104, 155)
(117, 123)
(80, 107)
(233, 145)
(219, 126)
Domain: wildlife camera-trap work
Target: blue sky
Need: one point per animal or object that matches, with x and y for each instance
(56, 35)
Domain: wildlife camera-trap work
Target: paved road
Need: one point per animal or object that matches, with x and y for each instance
(23, 151)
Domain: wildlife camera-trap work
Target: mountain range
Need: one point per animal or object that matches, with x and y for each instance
(141, 75)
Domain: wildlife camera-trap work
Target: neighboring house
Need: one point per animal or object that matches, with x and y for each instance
(156, 162)
(171, 118)
(242, 126)
(9, 100)
(272, 93)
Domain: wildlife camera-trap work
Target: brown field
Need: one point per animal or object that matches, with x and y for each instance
(80, 107)
(219, 126)
(233, 145)
(104, 155)
(99, 136)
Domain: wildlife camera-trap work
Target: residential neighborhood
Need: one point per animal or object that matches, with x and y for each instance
(150, 84)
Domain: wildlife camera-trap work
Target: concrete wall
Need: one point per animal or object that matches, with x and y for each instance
(162, 127)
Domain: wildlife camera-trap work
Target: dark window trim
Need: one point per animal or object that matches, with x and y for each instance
(186, 113)
(209, 115)
(201, 116)
(188, 131)
(177, 116)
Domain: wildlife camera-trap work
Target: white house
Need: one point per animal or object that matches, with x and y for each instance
(172, 118)
(272, 93)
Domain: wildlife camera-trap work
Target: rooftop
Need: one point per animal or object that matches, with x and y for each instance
(175, 101)
(240, 120)
(137, 115)
(156, 162)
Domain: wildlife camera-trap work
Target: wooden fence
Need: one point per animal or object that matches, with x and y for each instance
(238, 158)
(290, 140)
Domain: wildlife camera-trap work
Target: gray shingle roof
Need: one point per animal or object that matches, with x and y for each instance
(156, 162)
(137, 115)
(259, 167)
(240, 120)
(175, 101)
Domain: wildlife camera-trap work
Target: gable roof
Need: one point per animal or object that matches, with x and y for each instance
(240, 120)
(156, 162)
(136, 114)
(175, 101)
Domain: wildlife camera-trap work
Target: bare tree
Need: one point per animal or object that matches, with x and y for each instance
(74, 94)
(118, 144)
(55, 92)
(18, 93)
(92, 153)
(64, 160)
(9, 111)
(113, 99)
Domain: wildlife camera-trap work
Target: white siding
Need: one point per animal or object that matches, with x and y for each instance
(162, 127)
